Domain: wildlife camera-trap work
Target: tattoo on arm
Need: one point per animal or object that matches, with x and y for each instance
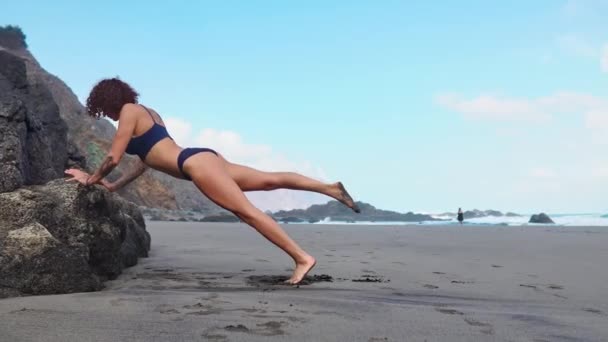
(129, 176)
(104, 169)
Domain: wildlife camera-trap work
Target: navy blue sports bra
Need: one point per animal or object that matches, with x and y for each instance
(142, 144)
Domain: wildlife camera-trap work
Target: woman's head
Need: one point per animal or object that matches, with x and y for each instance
(108, 96)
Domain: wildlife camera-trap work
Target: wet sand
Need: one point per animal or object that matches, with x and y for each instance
(218, 282)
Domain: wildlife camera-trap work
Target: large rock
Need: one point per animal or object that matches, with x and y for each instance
(33, 146)
(475, 213)
(337, 211)
(63, 237)
(58, 237)
(541, 218)
(92, 138)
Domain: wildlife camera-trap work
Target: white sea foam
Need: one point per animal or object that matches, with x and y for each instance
(559, 219)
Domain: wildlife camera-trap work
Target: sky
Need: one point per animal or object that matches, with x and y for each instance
(420, 106)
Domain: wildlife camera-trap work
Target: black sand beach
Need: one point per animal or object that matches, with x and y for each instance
(221, 282)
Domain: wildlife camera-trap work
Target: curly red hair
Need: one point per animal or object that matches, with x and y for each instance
(108, 96)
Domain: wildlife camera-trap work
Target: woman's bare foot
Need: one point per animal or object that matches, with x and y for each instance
(342, 195)
(302, 269)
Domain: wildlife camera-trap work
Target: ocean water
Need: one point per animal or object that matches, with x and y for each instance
(559, 219)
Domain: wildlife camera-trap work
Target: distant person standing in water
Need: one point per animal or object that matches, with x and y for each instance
(141, 132)
(460, 215)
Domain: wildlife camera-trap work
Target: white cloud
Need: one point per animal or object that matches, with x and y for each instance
(179, 130)
(599, 172)
(260, 156)
(604, 59)
(494, 108)
(233, 148)
(543, 173)
(597, 122)
(538, 110)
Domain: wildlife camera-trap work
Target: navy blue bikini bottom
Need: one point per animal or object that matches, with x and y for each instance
(187, 153)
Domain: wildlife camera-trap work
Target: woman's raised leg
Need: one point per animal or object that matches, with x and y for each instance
(211, 176)
(250, 179)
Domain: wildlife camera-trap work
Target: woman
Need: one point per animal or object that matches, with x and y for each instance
(460, 215)
(141, 132)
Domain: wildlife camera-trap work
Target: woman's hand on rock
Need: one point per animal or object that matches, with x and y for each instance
(77, 175)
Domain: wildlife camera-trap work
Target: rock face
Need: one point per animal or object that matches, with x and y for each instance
(541, 218)
(34, 146)
(91, 138)
(469, 214)
(62, 237)
(337, 211)
(56, 237)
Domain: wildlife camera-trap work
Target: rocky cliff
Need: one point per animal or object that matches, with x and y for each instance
(90, 138)
(55, 237)
(336, 211)
(62, 237)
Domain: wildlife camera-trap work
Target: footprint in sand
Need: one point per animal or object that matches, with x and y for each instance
(215, 337)
(120, 301)
(248, 270)
(280, 280)
(370, 278)
(488, 329)
(449, 311)
(595, 311)
(169, 311)
(236, 328)
(555, 287)
(438, 273)
(211, 296)
(462, 282)
(262, 260)
(497, 266)
(165, 309)
(270, 328)
(196, 306)
(429, 286)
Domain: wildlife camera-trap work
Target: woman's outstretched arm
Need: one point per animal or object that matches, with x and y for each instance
(134, 172)
(126, 126)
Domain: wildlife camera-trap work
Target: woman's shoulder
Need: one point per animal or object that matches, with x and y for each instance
(131, 108)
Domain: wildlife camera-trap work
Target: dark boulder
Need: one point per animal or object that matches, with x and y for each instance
(541, 218)
(33, 146)
(62, 237)
(220, 218)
